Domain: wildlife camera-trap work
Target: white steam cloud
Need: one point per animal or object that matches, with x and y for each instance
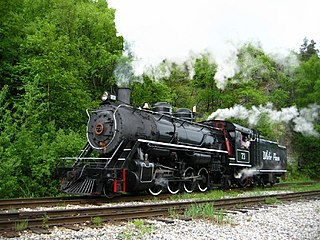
(227, 68)
(250, 67)
(123, 74)
(303, 120)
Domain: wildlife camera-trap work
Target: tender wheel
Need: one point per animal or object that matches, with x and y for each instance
(262, 182)
(204, 182)
(174, 187)
(189, 185)
(155, 190)
(274, 180)
(245, 182)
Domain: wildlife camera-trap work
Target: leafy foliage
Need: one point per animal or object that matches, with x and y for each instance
(308, 82)
(55, 56)
(307, 50)
(207, 94)
(150, 92)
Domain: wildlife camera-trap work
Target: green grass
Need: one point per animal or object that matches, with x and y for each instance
(297, 178)
(271, 200)
(206, 211)
(97, 221)
(173, 213)
(45, 221)
(213, 194)
(298, 188)
(218, 194)
(21, 225)
(137, 230)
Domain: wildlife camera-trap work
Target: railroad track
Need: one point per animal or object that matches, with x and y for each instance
(46, 219)
(17, 203)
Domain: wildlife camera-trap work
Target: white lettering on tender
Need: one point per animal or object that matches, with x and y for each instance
(267, 155)
(275, 157)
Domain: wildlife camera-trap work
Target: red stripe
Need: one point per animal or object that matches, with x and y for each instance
(124, 180)
(115, 185)
(227, 142)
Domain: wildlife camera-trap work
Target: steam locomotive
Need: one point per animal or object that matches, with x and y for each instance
(132, 149)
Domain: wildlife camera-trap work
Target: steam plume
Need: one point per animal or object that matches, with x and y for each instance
(227, 68)
(123, 73)
(303, 119)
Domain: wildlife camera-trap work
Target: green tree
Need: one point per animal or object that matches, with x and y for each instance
(307, 50)
(207, 95)
(179, 83)
(307, 91)
(308, 82)
(69, 52)
(149, 91)
(56, 55)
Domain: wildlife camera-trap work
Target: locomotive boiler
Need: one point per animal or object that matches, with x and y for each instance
(132, 149)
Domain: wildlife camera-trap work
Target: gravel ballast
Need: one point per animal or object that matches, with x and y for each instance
(297, 220)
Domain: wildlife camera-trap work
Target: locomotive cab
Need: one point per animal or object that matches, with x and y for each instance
(241, 142)
(238, 140)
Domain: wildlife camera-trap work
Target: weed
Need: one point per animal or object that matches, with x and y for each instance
(173, 212)
(271, 200)
(205, 211)
(138, 228)
(219, 194)
(97, 221)
(21, 225)
(45, 220)
(210, 195)
(13, 210)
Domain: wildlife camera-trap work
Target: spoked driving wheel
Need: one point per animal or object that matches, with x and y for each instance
(155, 190)
(189, 183)
(174, 187)
(203, 183)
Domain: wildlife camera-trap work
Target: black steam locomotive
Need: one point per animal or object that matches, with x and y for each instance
(132, 149)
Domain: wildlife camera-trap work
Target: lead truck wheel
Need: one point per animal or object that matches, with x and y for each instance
(107, 189)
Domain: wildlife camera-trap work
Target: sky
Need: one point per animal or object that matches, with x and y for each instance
(176, 29)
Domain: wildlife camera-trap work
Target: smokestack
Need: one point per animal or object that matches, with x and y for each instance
(124, 94)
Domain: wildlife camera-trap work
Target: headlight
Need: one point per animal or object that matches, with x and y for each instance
(107, 96)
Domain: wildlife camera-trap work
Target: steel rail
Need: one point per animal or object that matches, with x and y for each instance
(60, 217)
(17, 203)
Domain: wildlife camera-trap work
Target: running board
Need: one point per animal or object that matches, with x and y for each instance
(181, 147)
